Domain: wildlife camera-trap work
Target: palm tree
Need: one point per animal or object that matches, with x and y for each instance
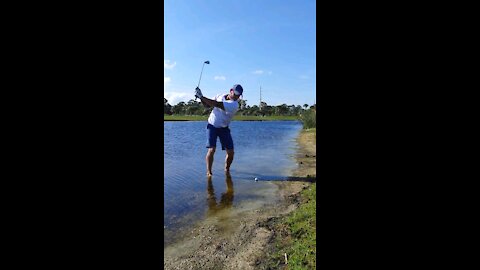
(243, 104)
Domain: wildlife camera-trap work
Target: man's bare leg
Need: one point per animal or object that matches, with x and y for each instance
(209, 160)
(228, 159)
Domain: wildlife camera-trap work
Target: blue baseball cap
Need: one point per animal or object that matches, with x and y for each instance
(237, 89)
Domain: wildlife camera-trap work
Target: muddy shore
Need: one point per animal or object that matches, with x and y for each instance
(240, 243)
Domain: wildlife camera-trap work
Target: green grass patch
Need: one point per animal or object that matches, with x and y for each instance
(309, 119)
(302, 224)
(235, 118)
(264, 118)
(167, 117)
(296, 235)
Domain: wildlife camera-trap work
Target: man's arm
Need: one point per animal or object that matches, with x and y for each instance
(204, 104)
(207, 101)
(212, 103)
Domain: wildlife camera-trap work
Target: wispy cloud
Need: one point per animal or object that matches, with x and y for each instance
(303, 77)
(167, 65)
(220, 78)
(260, 72)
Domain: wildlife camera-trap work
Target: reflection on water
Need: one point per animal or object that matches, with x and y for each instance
(226, 199)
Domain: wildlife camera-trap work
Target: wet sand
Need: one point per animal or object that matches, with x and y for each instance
(236, 239)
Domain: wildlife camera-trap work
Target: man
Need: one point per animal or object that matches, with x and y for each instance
(225, 107)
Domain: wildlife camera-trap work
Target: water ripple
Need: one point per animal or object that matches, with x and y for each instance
(262, 149)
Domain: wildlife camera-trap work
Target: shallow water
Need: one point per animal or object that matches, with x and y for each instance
(262, 149)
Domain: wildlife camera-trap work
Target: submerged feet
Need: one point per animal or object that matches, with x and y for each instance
(227, 172)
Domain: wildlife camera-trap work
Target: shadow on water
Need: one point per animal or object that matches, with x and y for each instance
(216, 208)
(222, 206)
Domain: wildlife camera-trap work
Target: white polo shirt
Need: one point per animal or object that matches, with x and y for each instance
(221, 118)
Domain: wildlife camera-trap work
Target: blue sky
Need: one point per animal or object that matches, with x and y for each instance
(262, 43)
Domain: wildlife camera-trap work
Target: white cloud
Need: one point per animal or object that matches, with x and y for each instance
(221, 78)
(258, 72)
(303, 77)
(270, 73)
(175, 97)
(167, 65)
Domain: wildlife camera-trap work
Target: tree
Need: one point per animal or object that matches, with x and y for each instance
(193, 108)
(263, 105)
(167, 108)
(179, 108)
(267, 110)
(254, 110)
(206, 111)
(297, 110)
(291, 109)
(282, 109)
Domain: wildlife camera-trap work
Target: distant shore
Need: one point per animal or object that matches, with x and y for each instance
(235, 118)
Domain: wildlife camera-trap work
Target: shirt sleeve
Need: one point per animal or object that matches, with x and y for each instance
(230, 107)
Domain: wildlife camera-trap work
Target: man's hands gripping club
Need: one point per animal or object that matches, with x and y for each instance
(198, 93)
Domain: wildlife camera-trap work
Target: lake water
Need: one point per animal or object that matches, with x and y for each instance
(263, 149)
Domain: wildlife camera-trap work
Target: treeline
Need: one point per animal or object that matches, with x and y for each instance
(193, 107)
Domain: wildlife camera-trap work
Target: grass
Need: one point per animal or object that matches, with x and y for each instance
(167, 117)
(264, 118)
(297, 235)
(235, 118)
(309, 119)
(311, 130)
(302, 224)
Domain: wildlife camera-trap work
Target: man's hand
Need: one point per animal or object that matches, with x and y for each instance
(198, 93)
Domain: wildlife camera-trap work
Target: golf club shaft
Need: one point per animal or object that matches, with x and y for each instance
(200, 77)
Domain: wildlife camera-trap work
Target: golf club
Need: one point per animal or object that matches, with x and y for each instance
(208, 63)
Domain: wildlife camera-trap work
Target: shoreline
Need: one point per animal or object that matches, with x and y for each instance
(243, 120)
(167, 118)
(241, 242)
